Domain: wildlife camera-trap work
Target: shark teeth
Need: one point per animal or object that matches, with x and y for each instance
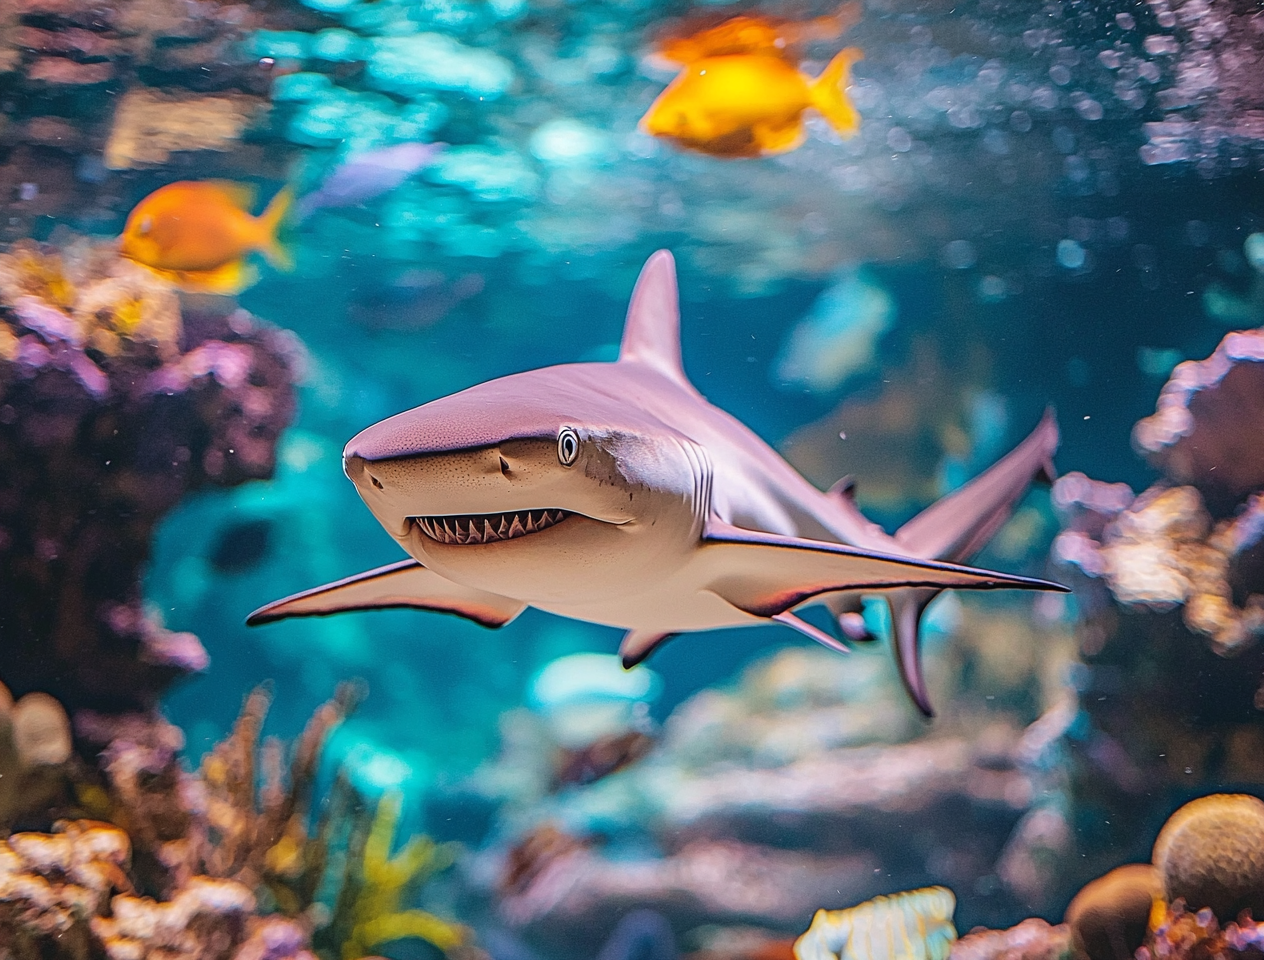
(489, 527)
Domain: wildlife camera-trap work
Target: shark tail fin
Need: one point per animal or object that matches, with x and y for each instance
(958, 525)
(651, 334)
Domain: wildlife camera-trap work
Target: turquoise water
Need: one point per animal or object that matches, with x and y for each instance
(1044, 206)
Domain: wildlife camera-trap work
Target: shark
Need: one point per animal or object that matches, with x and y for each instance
(614, 493)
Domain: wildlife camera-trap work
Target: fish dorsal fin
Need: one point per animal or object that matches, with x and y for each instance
(651, 334)
(240, 195)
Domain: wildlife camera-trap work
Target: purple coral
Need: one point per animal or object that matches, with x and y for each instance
(105, 423)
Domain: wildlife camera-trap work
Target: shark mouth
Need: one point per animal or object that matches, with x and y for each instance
(489, 527)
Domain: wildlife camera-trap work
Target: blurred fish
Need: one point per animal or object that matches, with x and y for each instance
(416, 300)
(363, 176)
(581, 766)
(838, 337)
(750, 104)
(914, 925)
(641, 935)
(198, 234)
(753, 34)
(527, 859)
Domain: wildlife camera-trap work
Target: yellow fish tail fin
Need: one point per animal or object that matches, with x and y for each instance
(269, 223)
(829, 97)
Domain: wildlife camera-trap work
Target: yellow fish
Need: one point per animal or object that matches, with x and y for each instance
(914, 925)
(756, 34)
(750, 104)
(198, 234)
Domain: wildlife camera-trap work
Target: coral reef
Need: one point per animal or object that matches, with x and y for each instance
(150, 125)
(1210, 853)
(36, 759)
(216, 865)
(1182, 935)
(1033, 939)
(1171, 602)
(113, 405)
(1196, 434)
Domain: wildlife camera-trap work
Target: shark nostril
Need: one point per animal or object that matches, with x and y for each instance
(504, 466)
(376, 482)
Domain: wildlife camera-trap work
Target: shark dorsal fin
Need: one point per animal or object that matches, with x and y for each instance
(651, 334)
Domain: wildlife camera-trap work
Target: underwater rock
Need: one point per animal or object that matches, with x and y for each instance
(1110, 916)
(150, 125)
(704, 881)
(1210, 853)
(112, 406)
(812, 743)
(1203, 430)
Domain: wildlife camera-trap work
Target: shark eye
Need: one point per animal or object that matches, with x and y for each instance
(567, 446)
(146, 224)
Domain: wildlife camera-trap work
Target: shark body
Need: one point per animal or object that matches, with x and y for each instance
(614, 493)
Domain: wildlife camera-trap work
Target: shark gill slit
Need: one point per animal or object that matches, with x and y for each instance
(489, 527)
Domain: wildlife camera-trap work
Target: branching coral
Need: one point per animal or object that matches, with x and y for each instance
(224, 863)
(112, 406)
(220, 822)
(372, 898)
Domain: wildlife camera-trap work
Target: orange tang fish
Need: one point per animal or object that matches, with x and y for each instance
(756, 34)
(198, 234)
(750, 105)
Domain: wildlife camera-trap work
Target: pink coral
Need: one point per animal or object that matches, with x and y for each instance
(1204, 429)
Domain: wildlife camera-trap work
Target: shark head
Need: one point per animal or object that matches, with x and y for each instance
(514, 482)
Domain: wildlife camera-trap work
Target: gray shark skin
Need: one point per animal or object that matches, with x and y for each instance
(614, 493)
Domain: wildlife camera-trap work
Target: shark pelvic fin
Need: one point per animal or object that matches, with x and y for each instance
(812, 633)
(403, 584)
(651, 333)
(764, 574)
(637, 645)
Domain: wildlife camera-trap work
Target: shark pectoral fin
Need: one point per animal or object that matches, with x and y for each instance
(637, 645)
(764, 574)
(403, 584)
(957, 526)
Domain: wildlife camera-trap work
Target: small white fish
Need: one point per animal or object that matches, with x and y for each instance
(364, 176)
(838, 337)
